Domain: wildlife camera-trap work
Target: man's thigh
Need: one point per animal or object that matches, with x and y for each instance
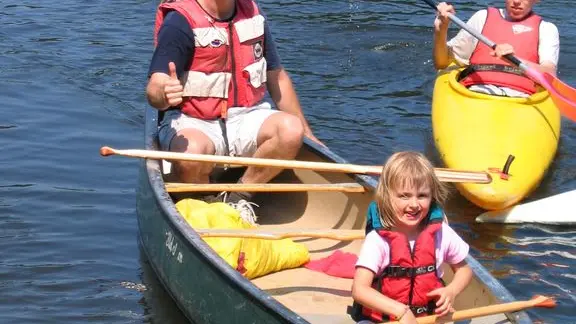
(175, 122)
(243, 127)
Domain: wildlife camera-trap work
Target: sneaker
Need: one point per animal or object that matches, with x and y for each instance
(246, 211)
(243, 206)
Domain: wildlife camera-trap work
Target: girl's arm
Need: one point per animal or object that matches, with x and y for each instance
(364, 294)
(462, 277)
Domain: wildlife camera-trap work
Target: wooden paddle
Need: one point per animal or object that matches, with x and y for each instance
(563, 96)
(536, 301)
(279, 234)
(446, 175)
(264, 187)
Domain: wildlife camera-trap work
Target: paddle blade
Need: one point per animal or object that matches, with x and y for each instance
(543, 301)
(563, 95)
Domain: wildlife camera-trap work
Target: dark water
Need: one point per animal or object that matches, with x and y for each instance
(72, 78)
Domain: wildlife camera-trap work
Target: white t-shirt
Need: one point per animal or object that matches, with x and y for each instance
(375, 252)
(463, 45)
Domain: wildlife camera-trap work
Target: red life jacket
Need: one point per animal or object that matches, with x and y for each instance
(410, 275)
(523, 35)
(228, 68)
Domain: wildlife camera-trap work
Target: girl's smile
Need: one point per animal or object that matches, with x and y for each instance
(411, 206)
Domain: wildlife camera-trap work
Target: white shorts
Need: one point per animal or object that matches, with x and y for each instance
(242, 127)
(498, 91)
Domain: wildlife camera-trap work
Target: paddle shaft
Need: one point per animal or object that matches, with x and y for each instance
(513, 59)
(264, 187)
(446, 175)
(540, 301)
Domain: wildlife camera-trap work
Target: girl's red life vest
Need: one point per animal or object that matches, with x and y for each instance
(411, 273)
(228, 68)
(523, 35)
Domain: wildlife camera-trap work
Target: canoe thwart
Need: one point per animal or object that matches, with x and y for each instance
(279, 234)
(263, 187)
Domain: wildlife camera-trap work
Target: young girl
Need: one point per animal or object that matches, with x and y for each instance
(398, 274)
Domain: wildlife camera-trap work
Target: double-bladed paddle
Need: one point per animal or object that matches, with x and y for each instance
(563, 96)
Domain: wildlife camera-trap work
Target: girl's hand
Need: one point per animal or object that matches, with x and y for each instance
(445, 300)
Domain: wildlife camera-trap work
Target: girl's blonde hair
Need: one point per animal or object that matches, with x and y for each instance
(406, 169)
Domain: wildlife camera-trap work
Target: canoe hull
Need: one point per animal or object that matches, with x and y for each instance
(207, 290)
(476, 131)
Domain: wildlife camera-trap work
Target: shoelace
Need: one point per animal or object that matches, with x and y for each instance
(246, 210)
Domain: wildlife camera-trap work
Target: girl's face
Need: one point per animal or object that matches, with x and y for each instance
(411, 206)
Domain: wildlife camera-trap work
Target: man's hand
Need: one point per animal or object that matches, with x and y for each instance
(173, 89)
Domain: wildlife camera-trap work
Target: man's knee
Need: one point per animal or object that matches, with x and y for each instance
(290, 131)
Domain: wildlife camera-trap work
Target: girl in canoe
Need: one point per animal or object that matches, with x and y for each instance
(398, 275)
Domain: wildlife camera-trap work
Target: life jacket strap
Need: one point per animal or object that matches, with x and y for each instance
(397, 271)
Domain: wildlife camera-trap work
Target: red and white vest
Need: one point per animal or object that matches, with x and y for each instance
(411, 274)
(523, 35)
(228, 68)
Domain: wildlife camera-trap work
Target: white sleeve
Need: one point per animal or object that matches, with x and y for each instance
(463, 44)
(549, 43)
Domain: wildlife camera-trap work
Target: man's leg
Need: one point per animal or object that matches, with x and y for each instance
(279, 136)
(192, 141)
(181, 133)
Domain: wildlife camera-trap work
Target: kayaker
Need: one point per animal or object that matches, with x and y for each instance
(213, 62)
(516, 29)
(398, 272)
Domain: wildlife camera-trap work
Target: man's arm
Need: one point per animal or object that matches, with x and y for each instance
(284, 96)
(279, 84)
(176, 45)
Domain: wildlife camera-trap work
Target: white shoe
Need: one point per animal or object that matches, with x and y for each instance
(246, 211)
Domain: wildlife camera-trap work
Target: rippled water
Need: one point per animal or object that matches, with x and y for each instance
(72, 78)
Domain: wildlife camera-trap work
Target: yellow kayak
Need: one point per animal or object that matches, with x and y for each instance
(475, 131)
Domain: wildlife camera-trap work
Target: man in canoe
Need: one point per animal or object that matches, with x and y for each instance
(212, 64)
(516, 29)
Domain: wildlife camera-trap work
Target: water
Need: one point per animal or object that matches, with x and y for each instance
(72, 78)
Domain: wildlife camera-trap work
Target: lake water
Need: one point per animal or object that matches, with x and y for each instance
(72, 79)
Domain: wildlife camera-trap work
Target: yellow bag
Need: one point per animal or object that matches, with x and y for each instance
(251, 257)
(200, 214)
(259, 257)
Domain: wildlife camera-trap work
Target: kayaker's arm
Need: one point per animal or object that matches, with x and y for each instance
(505, 49)
(442, 54)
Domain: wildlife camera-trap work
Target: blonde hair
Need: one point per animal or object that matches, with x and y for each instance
(406, 169)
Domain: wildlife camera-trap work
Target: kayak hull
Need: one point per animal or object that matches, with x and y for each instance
(476, 131)
(553, 210)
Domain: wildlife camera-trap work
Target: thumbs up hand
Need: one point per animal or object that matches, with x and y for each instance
(173, 89)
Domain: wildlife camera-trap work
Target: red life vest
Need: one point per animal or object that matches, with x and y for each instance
(523, 35)
(228, 68)
(411, 274)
